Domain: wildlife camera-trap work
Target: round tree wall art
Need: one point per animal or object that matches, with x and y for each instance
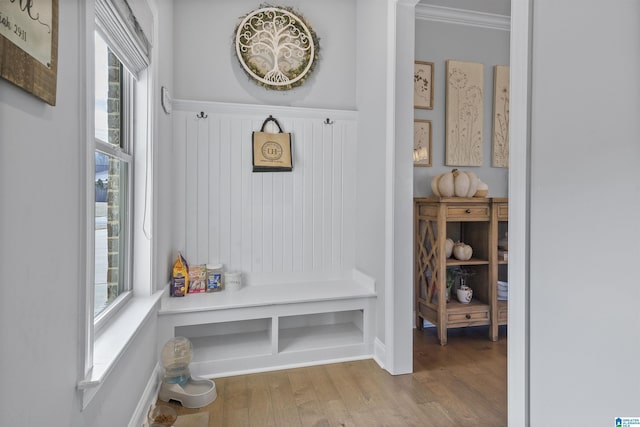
(276, 47)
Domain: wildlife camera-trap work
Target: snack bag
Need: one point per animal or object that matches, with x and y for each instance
(180, 277)
(197, 279)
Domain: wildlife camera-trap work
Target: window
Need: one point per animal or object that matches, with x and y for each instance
(113, 172)
(118, 118)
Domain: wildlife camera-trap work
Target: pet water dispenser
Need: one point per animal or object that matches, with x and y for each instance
(177, 382)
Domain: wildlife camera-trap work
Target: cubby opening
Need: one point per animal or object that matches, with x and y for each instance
(320, 330)
(228, 340)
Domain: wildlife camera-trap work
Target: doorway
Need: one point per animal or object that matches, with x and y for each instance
(518, 193)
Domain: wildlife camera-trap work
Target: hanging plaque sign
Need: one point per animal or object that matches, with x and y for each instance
(28, 25)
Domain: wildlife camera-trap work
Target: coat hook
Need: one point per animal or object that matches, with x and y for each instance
(202, 115)
(328, 121)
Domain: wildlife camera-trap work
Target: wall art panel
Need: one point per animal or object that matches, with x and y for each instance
(464, 113)
(500, 147)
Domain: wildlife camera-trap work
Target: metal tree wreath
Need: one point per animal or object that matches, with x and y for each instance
(276, 47)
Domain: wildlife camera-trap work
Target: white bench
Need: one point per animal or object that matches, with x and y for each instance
(273, 326)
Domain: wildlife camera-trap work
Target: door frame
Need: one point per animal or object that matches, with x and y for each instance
(519, 207)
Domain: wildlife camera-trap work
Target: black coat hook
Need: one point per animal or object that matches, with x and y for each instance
(328, 121)
(202, 115)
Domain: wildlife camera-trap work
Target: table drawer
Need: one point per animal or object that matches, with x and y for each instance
(503, 315)
(477, 317)
(429, 211)
(468, 213)
(503, 211)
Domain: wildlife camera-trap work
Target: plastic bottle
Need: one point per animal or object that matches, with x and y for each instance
(176, 356)
(214, 277)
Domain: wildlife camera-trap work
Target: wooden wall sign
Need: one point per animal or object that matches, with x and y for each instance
(29, 46)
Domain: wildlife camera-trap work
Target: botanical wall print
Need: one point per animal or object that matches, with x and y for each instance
(422, 142)
(464, 113)
(500, 149)
(423, 85)
(276, 47)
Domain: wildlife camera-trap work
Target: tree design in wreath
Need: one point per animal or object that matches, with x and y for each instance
(276, 47)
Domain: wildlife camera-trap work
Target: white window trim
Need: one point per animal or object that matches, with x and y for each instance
(104, 342)
(114, 339)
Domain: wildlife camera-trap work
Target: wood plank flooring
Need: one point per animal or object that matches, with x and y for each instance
(463, 384)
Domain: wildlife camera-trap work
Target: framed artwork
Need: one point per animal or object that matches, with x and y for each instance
(29, 46)
(423, 85)
(500, 140)
(464, 113)
(422, 143)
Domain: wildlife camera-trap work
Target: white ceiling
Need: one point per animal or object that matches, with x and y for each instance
(498, 7)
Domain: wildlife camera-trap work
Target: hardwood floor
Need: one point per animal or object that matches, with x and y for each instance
(461, 384)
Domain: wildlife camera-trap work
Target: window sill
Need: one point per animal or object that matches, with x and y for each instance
(113, 340)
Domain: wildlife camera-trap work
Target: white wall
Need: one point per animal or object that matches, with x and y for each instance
(399, 207)
(207, 69)
(371, 104)
(42, 187)
(165, 229)
(584, 316)
(437, 42)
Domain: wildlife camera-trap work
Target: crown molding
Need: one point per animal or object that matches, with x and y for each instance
(472, 18)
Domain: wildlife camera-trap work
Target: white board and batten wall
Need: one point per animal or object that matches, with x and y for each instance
(271, 226)
(290, 234)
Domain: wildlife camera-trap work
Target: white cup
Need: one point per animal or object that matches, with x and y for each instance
(233, 280)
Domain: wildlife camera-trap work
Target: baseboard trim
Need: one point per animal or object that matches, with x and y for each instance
(147, 399)
(379, 352)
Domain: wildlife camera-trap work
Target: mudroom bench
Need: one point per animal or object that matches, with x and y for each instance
(273, 326)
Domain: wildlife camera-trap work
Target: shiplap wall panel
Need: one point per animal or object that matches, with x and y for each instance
(297, 224)
(200, 188)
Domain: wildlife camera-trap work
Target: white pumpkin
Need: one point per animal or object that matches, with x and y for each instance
(462, 251)
(461, 183)
(473, 183)
(434, 185)
(442, 185)
(456, 183)
(448, 247)
(482, 190)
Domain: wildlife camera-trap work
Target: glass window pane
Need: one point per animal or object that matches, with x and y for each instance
(101, 88)
(108, 94)
(111, 183)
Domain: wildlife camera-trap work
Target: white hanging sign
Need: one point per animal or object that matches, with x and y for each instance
(28, 25)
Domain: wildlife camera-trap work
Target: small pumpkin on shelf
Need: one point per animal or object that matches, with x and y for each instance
(482, 190)
(462, 251)
(448, 247)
